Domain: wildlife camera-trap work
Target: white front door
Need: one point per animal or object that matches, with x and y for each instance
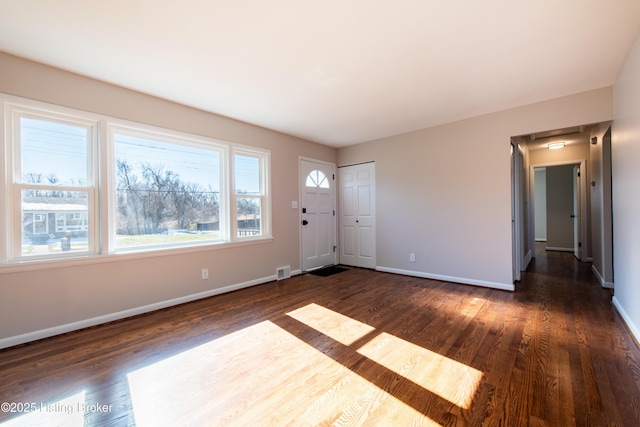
(317, 213)
(357, 215)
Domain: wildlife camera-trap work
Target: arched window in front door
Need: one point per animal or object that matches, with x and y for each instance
(317, 178)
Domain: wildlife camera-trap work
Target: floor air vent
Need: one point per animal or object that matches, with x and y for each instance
(283, 273)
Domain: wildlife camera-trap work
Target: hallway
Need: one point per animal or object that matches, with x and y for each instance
(602, 359)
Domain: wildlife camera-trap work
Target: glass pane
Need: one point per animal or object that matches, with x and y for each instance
(247, 174)
(166, 193)
(317, 178)
(54, 222)
(53, 153)
(249, 215)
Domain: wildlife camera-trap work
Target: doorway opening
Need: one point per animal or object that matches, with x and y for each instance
(586, 216)
(532, 156)
(558, 209)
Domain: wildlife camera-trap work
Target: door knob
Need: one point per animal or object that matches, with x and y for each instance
(305, 222)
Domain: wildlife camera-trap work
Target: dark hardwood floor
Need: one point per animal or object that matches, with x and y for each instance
(356, 348)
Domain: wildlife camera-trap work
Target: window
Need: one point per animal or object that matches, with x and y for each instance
(83, 184)
(249, 193)
(167, 191)
(52, 176)
(317, 178)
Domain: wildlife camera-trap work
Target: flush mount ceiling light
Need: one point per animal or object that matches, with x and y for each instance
(556, 145)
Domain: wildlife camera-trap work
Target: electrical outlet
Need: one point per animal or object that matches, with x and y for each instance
(205, 273)
(412, 257)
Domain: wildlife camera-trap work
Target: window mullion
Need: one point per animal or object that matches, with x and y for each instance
(16, 223)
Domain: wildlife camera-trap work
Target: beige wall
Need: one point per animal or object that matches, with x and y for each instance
(444, 192)
(34, 301)
(626, 184)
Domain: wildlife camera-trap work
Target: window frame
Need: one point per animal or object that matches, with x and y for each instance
(120, 127)
(318, 174)
(101, 215)
(13, 112)
(264, 161)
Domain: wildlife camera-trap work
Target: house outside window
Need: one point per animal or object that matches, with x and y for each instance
(53, 171)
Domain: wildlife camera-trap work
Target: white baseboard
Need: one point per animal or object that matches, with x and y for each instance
(464, 281)
(69, 327)
(603, 283)
(632, 327)
(553, 248)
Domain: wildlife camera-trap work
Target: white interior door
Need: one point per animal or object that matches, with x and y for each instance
(317, 214)
(515, 213)
(577, 250)
(357, 215)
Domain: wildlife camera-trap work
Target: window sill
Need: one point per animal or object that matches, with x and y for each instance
(40, 264)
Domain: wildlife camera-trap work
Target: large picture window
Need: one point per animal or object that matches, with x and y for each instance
(167, 191)
(83, 184)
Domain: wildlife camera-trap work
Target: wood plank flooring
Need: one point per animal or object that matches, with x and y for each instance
(356, 348)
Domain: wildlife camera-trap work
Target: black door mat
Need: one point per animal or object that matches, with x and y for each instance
(327, 271)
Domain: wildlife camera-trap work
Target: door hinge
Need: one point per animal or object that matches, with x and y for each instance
(579, 244)
(334, 212)
(333, 176)
(334, 249)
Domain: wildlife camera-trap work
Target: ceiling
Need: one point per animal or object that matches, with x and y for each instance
(333, 72)
(569, 136)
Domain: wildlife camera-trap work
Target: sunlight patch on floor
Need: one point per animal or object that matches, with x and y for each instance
(260, 375)
(341, 328)
(67, 412)
(449, 379)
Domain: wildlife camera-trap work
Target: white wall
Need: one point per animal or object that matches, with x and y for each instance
(626, 189)
(36, 302)
(444, 193)
(540, 204)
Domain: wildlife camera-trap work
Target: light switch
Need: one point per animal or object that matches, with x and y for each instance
(294, 204)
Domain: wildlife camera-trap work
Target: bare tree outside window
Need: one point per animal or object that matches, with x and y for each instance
(155, 204)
